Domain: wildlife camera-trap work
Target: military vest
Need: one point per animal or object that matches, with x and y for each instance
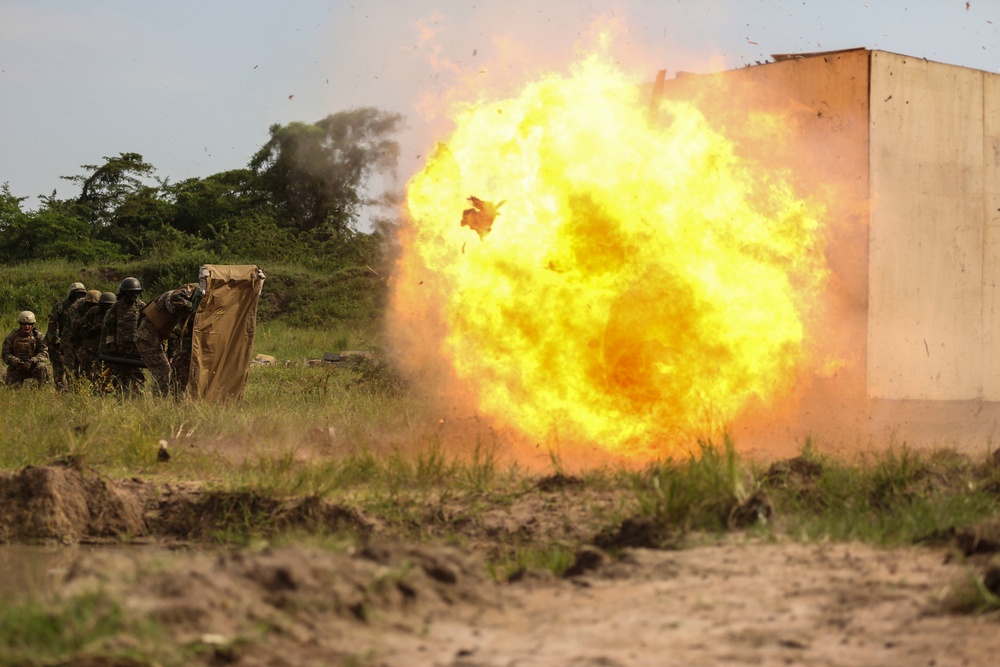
(25, 347)
(90, 327)
(71, 334)
(128, 322)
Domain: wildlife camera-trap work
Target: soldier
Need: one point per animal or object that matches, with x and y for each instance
(88, 336)
(72, 335)
(53, 335)
(118, 337)
(179, 352)
(25, 353)
(158, 320)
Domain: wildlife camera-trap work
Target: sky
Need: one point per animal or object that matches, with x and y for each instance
(193, 86)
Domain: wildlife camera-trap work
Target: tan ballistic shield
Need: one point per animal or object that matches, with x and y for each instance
(223, 333)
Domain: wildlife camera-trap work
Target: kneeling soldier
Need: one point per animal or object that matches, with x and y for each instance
(25, 352)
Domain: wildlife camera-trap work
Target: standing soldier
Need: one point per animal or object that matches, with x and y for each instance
(88, 336)
(72, 335)
(25, 353)
(179, 352)
(117, 348)
(53, 335)
(157, 321)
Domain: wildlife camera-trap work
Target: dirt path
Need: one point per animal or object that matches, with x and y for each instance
(760, 604)
(396, 605)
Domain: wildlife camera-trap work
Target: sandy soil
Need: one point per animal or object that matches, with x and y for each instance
(744, 603)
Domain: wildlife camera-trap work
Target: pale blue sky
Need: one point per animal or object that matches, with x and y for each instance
(194, 85)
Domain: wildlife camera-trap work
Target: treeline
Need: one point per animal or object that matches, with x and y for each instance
(297, 201)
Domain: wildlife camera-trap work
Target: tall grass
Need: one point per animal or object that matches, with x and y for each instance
(285, 340)
(283, 407)
(898, 496)
(695, 493)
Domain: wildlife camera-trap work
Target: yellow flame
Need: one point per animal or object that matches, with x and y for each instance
(642, 282)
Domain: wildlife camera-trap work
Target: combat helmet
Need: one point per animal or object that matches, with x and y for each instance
(26, 317)
(130, 284)
(93, 296)
(76, 288)
(108, 298)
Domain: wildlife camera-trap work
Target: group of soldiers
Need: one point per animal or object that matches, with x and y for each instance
(106, 339)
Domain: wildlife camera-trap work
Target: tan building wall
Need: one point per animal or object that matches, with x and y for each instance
(906, 155)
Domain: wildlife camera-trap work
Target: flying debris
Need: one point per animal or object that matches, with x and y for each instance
(480, 218)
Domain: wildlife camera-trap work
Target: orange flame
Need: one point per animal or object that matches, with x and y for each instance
(642, 284)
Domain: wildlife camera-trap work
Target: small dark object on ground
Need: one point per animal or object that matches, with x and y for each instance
(586, 559)
(558, 481)
(991, 579)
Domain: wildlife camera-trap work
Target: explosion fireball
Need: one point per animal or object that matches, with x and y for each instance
(642, 284)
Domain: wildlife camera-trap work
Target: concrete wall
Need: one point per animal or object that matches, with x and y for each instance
(906, 155)
(926, 271)
(824, 103)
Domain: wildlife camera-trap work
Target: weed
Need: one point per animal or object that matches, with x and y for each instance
(894, 497)
(36, 632)
(697, 493)
(976, 594)
(551, 557)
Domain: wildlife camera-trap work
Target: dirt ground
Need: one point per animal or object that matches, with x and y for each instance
(732, 600)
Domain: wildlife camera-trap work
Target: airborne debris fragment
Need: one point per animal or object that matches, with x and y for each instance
(480, 218)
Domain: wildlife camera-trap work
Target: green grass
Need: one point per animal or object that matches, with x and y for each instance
(971, 596)
(283, 407)
(898, 496)
(697, 492)
(287, 341)
(34, 632)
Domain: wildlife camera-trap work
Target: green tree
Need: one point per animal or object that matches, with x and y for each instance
(316, 175)
(108, 186)
(203, 206)
(54, 231)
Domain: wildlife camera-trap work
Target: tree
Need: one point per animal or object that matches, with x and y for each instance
(55, 231)
(109, 186)
(316, 174)
(204, 206)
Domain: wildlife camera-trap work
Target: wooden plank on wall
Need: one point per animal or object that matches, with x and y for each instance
(991, 237)
(925, 326)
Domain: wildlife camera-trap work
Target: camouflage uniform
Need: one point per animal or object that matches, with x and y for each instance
(72, 336)
(88, 340)
(25, 356)
(158, 319)
(53, 335)
(118, 339)
(179, 352)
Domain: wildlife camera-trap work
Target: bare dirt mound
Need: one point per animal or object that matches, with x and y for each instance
(68, 504)
(201, 515)
(288, 606)
(61, 503)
